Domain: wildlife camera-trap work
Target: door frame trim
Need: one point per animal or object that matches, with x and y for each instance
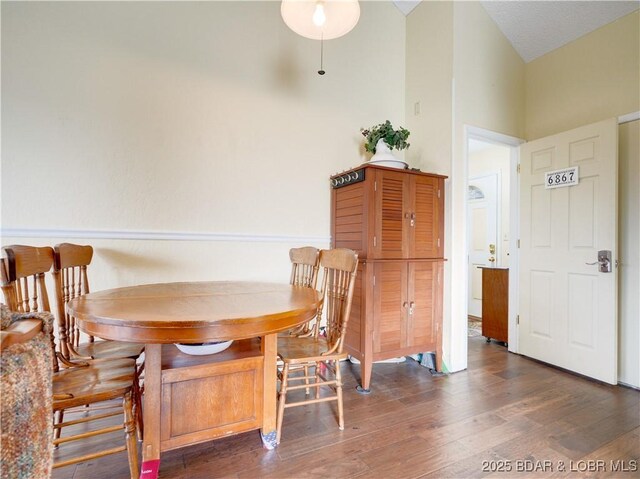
(513, 143)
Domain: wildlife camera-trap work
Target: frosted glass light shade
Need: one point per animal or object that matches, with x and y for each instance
(340, 16)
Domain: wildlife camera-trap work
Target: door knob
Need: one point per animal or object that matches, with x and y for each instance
(492, 249)
(604, 261)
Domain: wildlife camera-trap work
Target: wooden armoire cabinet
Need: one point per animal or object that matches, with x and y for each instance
(394, 220)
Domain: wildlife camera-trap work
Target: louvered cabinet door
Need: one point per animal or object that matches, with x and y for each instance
(422, 293)
(356, 327)
(426, 219)
(389, 314)
(392, 203)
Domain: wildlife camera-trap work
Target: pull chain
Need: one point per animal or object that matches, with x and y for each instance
(321, 71)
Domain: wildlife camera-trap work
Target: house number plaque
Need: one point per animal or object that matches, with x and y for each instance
(560, 178)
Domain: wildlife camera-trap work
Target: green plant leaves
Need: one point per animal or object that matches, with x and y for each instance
(395, 139)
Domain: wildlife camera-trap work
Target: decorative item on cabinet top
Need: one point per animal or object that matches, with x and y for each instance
(381, 140)
(348, 178)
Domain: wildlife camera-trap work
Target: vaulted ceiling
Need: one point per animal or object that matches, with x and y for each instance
(538, 27)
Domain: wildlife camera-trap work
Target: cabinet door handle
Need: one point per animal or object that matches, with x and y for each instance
(405, 305)
(412, 217)
(412, 306)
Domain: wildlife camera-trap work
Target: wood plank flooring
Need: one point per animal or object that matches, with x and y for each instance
(504, 410)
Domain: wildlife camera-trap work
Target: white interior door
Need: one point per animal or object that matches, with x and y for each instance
(482, 229)
(567, 307)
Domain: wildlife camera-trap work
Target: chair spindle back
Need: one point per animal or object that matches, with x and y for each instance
(304, 266)
(339, 266)
(70, 275)
(23, 284)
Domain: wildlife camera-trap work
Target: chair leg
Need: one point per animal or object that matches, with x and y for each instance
(339, 393)
(58, 418)
(130, 436)
(137, 405)
(306, 379)
(318, 366)
(281, 401)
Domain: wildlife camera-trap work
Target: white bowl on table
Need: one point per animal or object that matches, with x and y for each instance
(201, 349)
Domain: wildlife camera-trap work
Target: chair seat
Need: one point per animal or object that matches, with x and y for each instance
(304, 350)
(110, 350)
(100, 381)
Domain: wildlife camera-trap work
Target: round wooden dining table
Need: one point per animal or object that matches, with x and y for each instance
(192, 399)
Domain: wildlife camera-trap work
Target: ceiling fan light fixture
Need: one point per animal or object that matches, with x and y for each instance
(320, 19)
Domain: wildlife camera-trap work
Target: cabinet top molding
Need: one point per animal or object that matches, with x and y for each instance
(386, 168)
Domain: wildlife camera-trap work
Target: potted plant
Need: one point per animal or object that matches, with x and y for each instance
(381, 139)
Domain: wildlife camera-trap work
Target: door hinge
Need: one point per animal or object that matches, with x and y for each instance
(518, 243)
(518, 168)
(517, 319)
(438, 193)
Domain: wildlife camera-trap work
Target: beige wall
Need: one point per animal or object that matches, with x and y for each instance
(489, 94)
(429, 69)
(463, 71)
(629, 252)
(189, 117)
(588, 80)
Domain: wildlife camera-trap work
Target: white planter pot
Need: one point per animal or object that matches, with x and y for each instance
(384, 157)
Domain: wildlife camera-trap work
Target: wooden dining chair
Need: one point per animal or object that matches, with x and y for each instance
(90, 383)
(320, 352)
(304, 272)
(23, 278)
(23, 273)
(75, 383)
(70, 263)
(304, 266)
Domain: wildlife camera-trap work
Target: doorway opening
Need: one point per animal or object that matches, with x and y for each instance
(492, 200)
(487, 235)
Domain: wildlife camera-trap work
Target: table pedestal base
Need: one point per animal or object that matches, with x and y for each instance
(181, 389)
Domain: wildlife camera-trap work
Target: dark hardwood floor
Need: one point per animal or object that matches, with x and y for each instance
(505, 412)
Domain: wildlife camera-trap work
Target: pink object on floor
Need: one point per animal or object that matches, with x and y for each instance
(150, 469)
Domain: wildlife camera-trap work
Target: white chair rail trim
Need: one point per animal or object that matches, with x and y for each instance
(158, 235)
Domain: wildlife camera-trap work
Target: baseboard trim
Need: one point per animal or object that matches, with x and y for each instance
(159, 236)
(630, 386)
